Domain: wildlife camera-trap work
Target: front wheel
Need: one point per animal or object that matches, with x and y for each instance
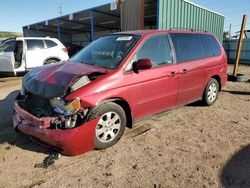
(111, 125)
(210, 94)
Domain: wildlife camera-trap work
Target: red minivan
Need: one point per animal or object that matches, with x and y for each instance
(87, 102)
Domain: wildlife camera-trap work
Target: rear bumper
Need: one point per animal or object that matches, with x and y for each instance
(70, 142)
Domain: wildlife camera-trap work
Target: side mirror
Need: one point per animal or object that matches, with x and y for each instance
(142, 64)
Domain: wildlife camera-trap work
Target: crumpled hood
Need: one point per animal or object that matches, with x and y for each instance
(53, 80)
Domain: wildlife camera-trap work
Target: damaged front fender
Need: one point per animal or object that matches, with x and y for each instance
(70, 142)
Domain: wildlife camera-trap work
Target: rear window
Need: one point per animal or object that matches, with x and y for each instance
(35, 44)
(8, 45)
(50, 43)
(188, 47)
(211, 46)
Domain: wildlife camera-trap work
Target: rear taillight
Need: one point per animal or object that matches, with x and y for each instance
(65, 50)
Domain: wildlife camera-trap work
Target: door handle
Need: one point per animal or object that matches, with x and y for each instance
(184, 71)
(172, 74)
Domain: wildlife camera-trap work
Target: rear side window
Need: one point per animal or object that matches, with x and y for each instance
(188, 47)
(50, 43)
(35, 44)
(157, 49)
(8, 45)
(211, 46)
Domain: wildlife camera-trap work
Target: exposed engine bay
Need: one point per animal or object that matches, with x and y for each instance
(64, 115)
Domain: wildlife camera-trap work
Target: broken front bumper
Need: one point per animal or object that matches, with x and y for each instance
(71, 142)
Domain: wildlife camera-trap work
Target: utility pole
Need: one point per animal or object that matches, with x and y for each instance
(236, 66)
(60, 7)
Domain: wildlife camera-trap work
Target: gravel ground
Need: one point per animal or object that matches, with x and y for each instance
(192, 146)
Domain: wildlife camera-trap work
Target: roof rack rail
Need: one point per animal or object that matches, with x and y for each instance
(187, 29)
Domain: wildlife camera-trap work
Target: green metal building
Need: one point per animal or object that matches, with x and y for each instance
(85, 26)
(187, 15)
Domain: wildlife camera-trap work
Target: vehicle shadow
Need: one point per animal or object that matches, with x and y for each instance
(11, 75)
(4, 75)
(8, 134)
(236, 173)
(237, 92)
(196, 104)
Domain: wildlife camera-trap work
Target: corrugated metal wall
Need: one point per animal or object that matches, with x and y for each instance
(132, 14)
(184, 14)
(230, 47)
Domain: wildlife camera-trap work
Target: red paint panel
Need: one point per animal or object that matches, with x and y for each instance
(64, 73)
(192, 77)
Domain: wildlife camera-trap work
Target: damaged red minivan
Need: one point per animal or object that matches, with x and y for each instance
(87, 102)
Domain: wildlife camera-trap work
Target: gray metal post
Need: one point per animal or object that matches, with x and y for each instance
(37, 31)
(58, 29)
(158, 14)
(92, 25)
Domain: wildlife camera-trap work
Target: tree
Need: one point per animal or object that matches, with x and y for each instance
(6, 34)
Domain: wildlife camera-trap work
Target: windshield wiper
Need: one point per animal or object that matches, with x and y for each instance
(97, 65)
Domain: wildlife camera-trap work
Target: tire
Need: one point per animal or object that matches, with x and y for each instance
(109, 129)
(211, 92)
(51, 61)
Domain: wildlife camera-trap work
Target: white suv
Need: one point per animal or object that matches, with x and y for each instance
(24, 53)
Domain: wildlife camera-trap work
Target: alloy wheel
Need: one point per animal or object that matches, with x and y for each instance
(108, 127)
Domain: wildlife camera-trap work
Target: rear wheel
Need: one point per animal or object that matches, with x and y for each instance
(51, 61)
(111, 125)
(210, 94)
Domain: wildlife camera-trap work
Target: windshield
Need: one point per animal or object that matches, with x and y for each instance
(108, 51)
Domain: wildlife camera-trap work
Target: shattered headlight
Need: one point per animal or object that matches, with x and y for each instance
(66, 108)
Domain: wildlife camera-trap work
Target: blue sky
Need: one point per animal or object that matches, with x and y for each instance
(16, 13)
(233, 11)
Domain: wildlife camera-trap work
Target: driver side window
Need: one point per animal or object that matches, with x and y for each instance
(157, 49)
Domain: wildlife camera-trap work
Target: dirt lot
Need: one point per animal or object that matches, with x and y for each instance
(192, 146)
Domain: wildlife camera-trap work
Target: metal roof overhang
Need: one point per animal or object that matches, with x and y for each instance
(100, 18)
